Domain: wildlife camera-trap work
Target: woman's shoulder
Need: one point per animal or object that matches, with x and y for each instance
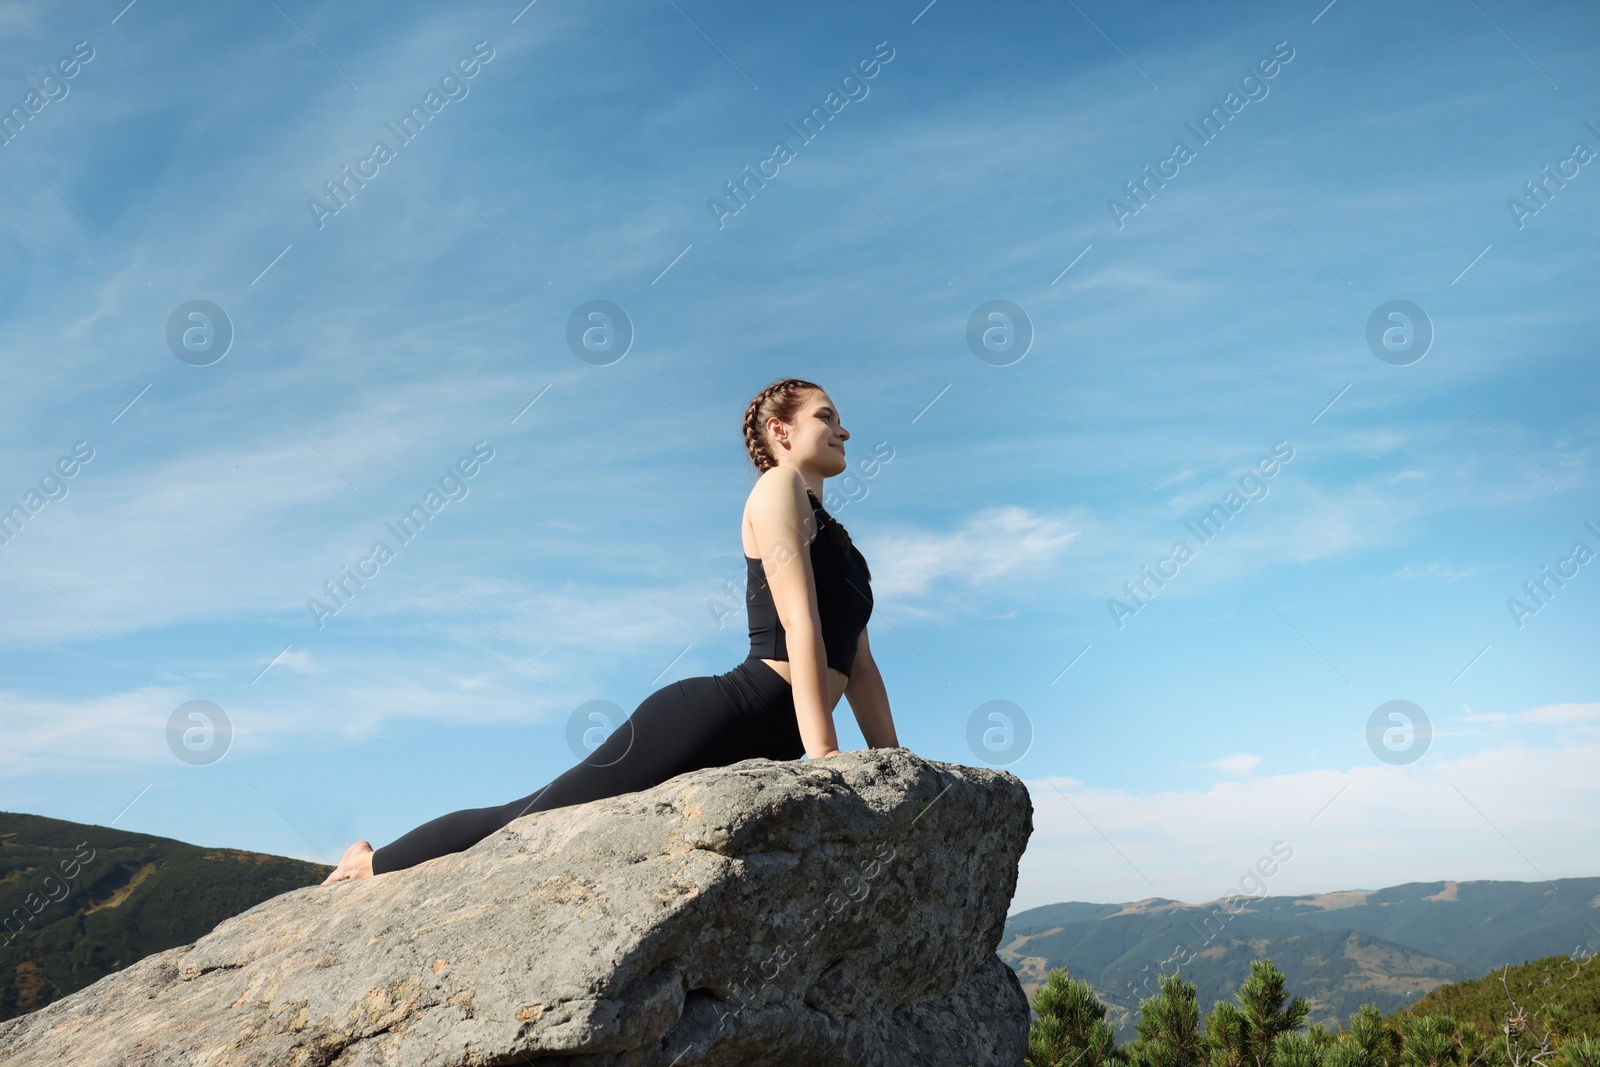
(779, 474)
(780, 498)
(776, 486)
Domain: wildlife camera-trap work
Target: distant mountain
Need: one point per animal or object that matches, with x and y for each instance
(1339, 950)
(81, 901)
(1479, 925)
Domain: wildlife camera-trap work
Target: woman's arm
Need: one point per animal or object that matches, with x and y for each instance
(784, 525)
(869, 699)
(808, 668)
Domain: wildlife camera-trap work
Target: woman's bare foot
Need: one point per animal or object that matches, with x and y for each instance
(357, 863)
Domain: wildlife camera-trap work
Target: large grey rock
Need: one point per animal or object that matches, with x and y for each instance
(838, 912)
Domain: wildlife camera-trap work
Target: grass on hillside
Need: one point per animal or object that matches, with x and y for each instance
(78, 902)
(1573, 983)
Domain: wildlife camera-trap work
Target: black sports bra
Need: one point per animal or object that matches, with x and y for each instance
(844, 603)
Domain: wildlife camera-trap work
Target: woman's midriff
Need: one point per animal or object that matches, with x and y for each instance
(837, 679)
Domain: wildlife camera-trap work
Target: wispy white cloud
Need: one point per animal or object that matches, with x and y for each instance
(1011, 543)
(1238, 763)
(1568, 714)
(1443, 573)
(1485, 815)
(300, 661)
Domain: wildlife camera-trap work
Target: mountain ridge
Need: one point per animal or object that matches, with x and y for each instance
(1427, 933)
(83, 901)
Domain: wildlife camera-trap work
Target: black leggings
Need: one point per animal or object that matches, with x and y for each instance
(708, 721)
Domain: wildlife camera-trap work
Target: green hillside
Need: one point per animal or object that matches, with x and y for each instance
(1521, 1019)
(1340, 950)
(1336, 970)
(1572, 982)
(81, 901)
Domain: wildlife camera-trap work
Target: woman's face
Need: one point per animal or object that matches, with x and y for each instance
(817, 439)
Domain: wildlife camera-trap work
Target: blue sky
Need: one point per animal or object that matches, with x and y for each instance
(1172, 349)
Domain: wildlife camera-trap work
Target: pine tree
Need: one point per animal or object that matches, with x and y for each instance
(1071, 1031)
(1169, 1026)
(1378, 1042)
(1247, 1036)
(1371, 1042)
(1225, 1037)
(1477, 1048)
(1581, 1051)
(1344, 1051)
(1430, 1041)
(1296, 1050)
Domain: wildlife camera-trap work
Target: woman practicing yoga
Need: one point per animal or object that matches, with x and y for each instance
(808, 594)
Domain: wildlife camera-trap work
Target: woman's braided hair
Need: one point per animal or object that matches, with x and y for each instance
(783, 399)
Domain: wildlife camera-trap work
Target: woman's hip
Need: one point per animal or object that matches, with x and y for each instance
(758, 690)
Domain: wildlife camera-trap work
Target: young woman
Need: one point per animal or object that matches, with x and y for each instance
(808, 595)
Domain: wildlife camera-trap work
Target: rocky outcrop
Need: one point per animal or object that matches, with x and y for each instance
(837, 913)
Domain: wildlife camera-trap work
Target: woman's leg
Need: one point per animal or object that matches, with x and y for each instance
(448, 833)
(706, 721)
